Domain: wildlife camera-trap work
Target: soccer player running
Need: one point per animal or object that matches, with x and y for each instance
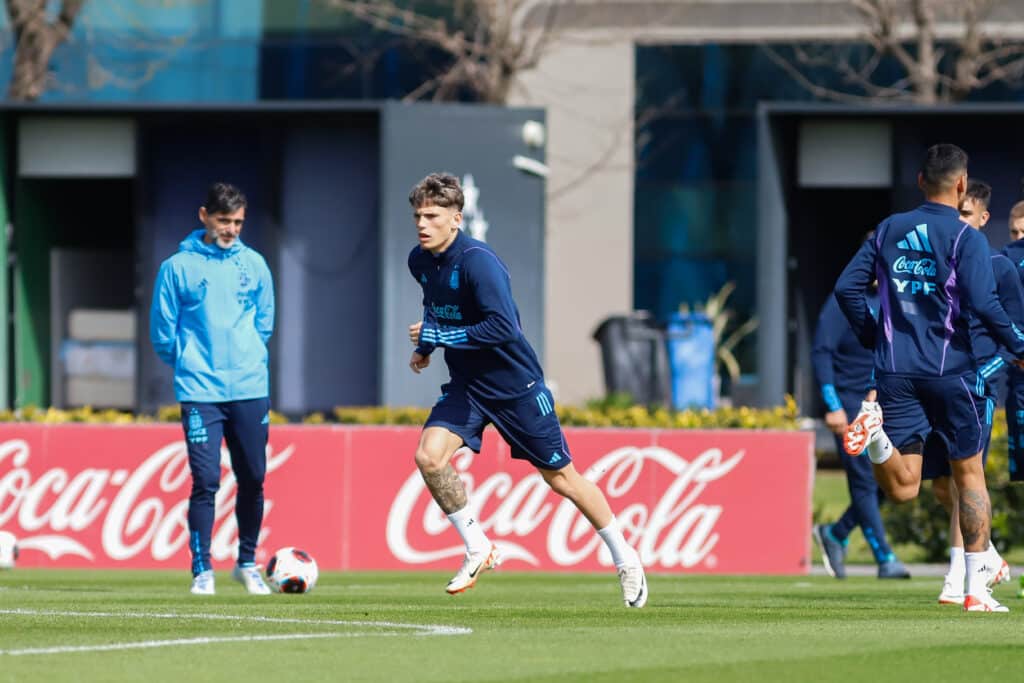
(843, 367)
(495, 378)
(931, 268)
(992, 361)
(212, 314)
(1015, 390)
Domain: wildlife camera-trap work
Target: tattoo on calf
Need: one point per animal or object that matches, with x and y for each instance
(975, 517)
(447, 489)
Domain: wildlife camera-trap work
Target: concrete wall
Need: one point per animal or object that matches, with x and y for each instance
(587, 90)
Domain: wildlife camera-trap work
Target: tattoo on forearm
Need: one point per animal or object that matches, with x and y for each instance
(446, 488)
(975, 518)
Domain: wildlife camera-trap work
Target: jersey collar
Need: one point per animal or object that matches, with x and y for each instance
(453, 250)
(935, 207)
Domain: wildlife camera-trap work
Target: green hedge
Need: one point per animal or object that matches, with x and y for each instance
(924, 522)
(613, 412)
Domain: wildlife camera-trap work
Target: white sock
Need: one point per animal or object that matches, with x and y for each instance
(880, 449)
(470, 530)
(957, 564)
(977, 572)
(622, 553)
(993, 554)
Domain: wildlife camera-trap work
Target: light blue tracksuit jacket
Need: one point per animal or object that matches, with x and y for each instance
(212, 314)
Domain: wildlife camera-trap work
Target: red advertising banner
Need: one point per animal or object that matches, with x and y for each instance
(117, 496)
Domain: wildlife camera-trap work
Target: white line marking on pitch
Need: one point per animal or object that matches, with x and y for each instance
(145, 644)
(417, 630)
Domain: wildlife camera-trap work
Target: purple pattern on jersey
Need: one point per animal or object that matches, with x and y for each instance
(883, 300)
(952, 299)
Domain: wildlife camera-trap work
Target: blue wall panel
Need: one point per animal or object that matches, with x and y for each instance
(328, 322)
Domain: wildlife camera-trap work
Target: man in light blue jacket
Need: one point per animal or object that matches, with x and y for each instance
(212, 314)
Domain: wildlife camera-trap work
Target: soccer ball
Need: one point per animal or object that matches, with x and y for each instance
(8, 550)
(291, 570)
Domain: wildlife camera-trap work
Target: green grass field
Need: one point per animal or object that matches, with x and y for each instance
(129, 626)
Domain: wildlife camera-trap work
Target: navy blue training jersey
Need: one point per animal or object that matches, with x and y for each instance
(468, 310)
(987, 352)
(932, 268)
(1015, 252)
(842, 364)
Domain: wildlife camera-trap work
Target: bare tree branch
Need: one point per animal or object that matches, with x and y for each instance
(485, 41)
(872, 92)
(906, 33)
(36, 38)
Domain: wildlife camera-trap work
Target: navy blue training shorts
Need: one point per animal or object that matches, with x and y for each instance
(528, 424)
(956, 410)
(936, 459)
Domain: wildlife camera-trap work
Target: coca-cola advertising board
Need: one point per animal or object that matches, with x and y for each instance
(690, 501)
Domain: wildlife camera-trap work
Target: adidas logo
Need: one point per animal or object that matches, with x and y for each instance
(265, 420)
(555, 457)
(916, 240)
(423, 279)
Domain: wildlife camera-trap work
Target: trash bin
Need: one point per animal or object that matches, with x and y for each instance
(634, 357)
(691, 353)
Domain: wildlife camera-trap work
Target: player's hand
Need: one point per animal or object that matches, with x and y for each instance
(836, 421)
(414, 333)
(419, 362)
(1019, 363)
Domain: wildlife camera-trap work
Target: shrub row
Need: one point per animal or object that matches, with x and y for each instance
(609, 413)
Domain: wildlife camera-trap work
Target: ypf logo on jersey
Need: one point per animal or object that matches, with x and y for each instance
(471, 211)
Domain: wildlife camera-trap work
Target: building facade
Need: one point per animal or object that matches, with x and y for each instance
(652, 142)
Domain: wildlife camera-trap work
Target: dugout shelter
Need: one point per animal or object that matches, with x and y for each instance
(94, 197)
(828, 174)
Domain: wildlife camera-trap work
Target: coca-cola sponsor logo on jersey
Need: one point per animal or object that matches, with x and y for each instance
(676, 530)
(139, 512)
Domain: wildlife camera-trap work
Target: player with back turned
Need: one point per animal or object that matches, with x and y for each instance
(991, 361)
(931, 269)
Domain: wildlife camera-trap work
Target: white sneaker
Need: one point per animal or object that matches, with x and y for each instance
(202, 583)
(998, 575)
(952, 592)
(983, 603)
(864, 429)
(634, 585)
(472, 566)
(250, 578)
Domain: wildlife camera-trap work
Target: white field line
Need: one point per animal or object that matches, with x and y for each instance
(147, 644)
(412, 629)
